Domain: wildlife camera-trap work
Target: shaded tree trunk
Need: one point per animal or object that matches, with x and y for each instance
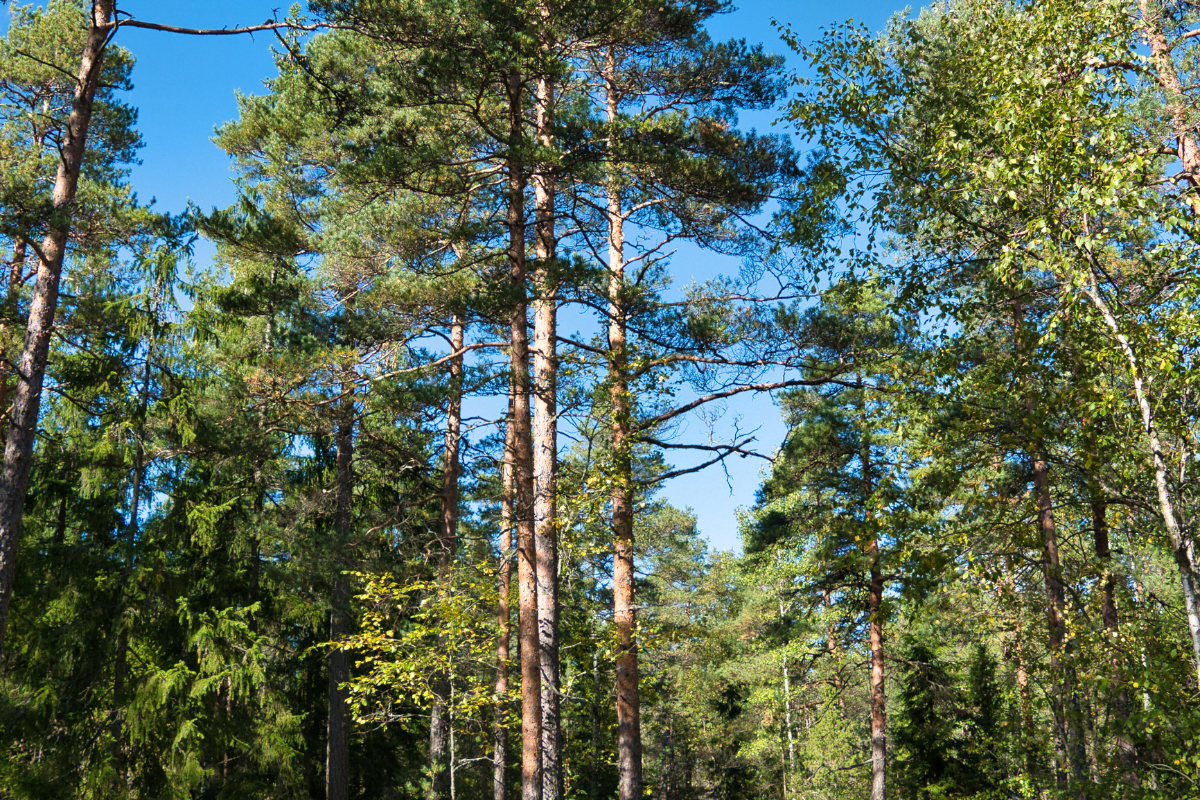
(31, 368)
(1119, 709)
(1069, 737)
(337, 751)
(790, 765)
(13, 290)
(875, 621)
(121, 665)
(1026, 701)
(440, 763)
(594, 784)
(1069, 744)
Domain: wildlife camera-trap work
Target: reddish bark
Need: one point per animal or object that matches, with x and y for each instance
(629, 725)
(500, 737)
(522, 465)
(31, 368)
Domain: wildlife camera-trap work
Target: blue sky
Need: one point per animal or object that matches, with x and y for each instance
(185, 86)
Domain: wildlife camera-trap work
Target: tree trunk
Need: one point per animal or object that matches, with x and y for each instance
(1182, 547)
(629, 725)
(1182, 120)
(121, 665)
(835, 650)
(1119, 710)
(31, 369)
(13, 290)
(875, 618)
(1068, 736)
(545, 439)
(440, 764)
(522, 463)
(790, 767)
(1026, 701)
(337, 752)
(500, 737)
(594, 784)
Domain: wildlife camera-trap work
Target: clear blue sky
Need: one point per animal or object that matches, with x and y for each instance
(185, 86)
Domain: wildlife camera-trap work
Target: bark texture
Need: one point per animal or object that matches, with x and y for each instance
(16, 274)
(1068, 737)
(629, 725)
(1183, 124)
(522, 463)
(1183, 548)
(440, 759)
(337, 751)
(31, 368)
(500, 736)
(545, 439)
(875, 622)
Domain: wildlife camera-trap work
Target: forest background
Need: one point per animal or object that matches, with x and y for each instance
(381, 469)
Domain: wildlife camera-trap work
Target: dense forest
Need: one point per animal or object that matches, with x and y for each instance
(370, 504)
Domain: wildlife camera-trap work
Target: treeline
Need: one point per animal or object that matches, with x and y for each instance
(353, 512)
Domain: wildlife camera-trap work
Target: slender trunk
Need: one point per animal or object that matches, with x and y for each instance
(545, 438)
(1026, 701)
(60, 524)
(1182, 547)
(31, 369)
(787, 708)
(13, 291)
(337, 753)
(1068, 738)
(1119, 711)
(121, 665)
(1182, 119)
(835, 650)
(453, 769)
(440, 764)
(500, 737)
(522, 465)
(594, 785)
(875, 617)
(629, 725)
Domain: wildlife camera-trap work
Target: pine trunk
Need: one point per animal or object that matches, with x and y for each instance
(522, 465)
(629, 725)
(337, 752)
(16, 273)
(875, 619)
(1182, 125)
(500, 735)
(1068, 736)
(1026, 701)
(439, 721)
(31, 368)
(1119, 706)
